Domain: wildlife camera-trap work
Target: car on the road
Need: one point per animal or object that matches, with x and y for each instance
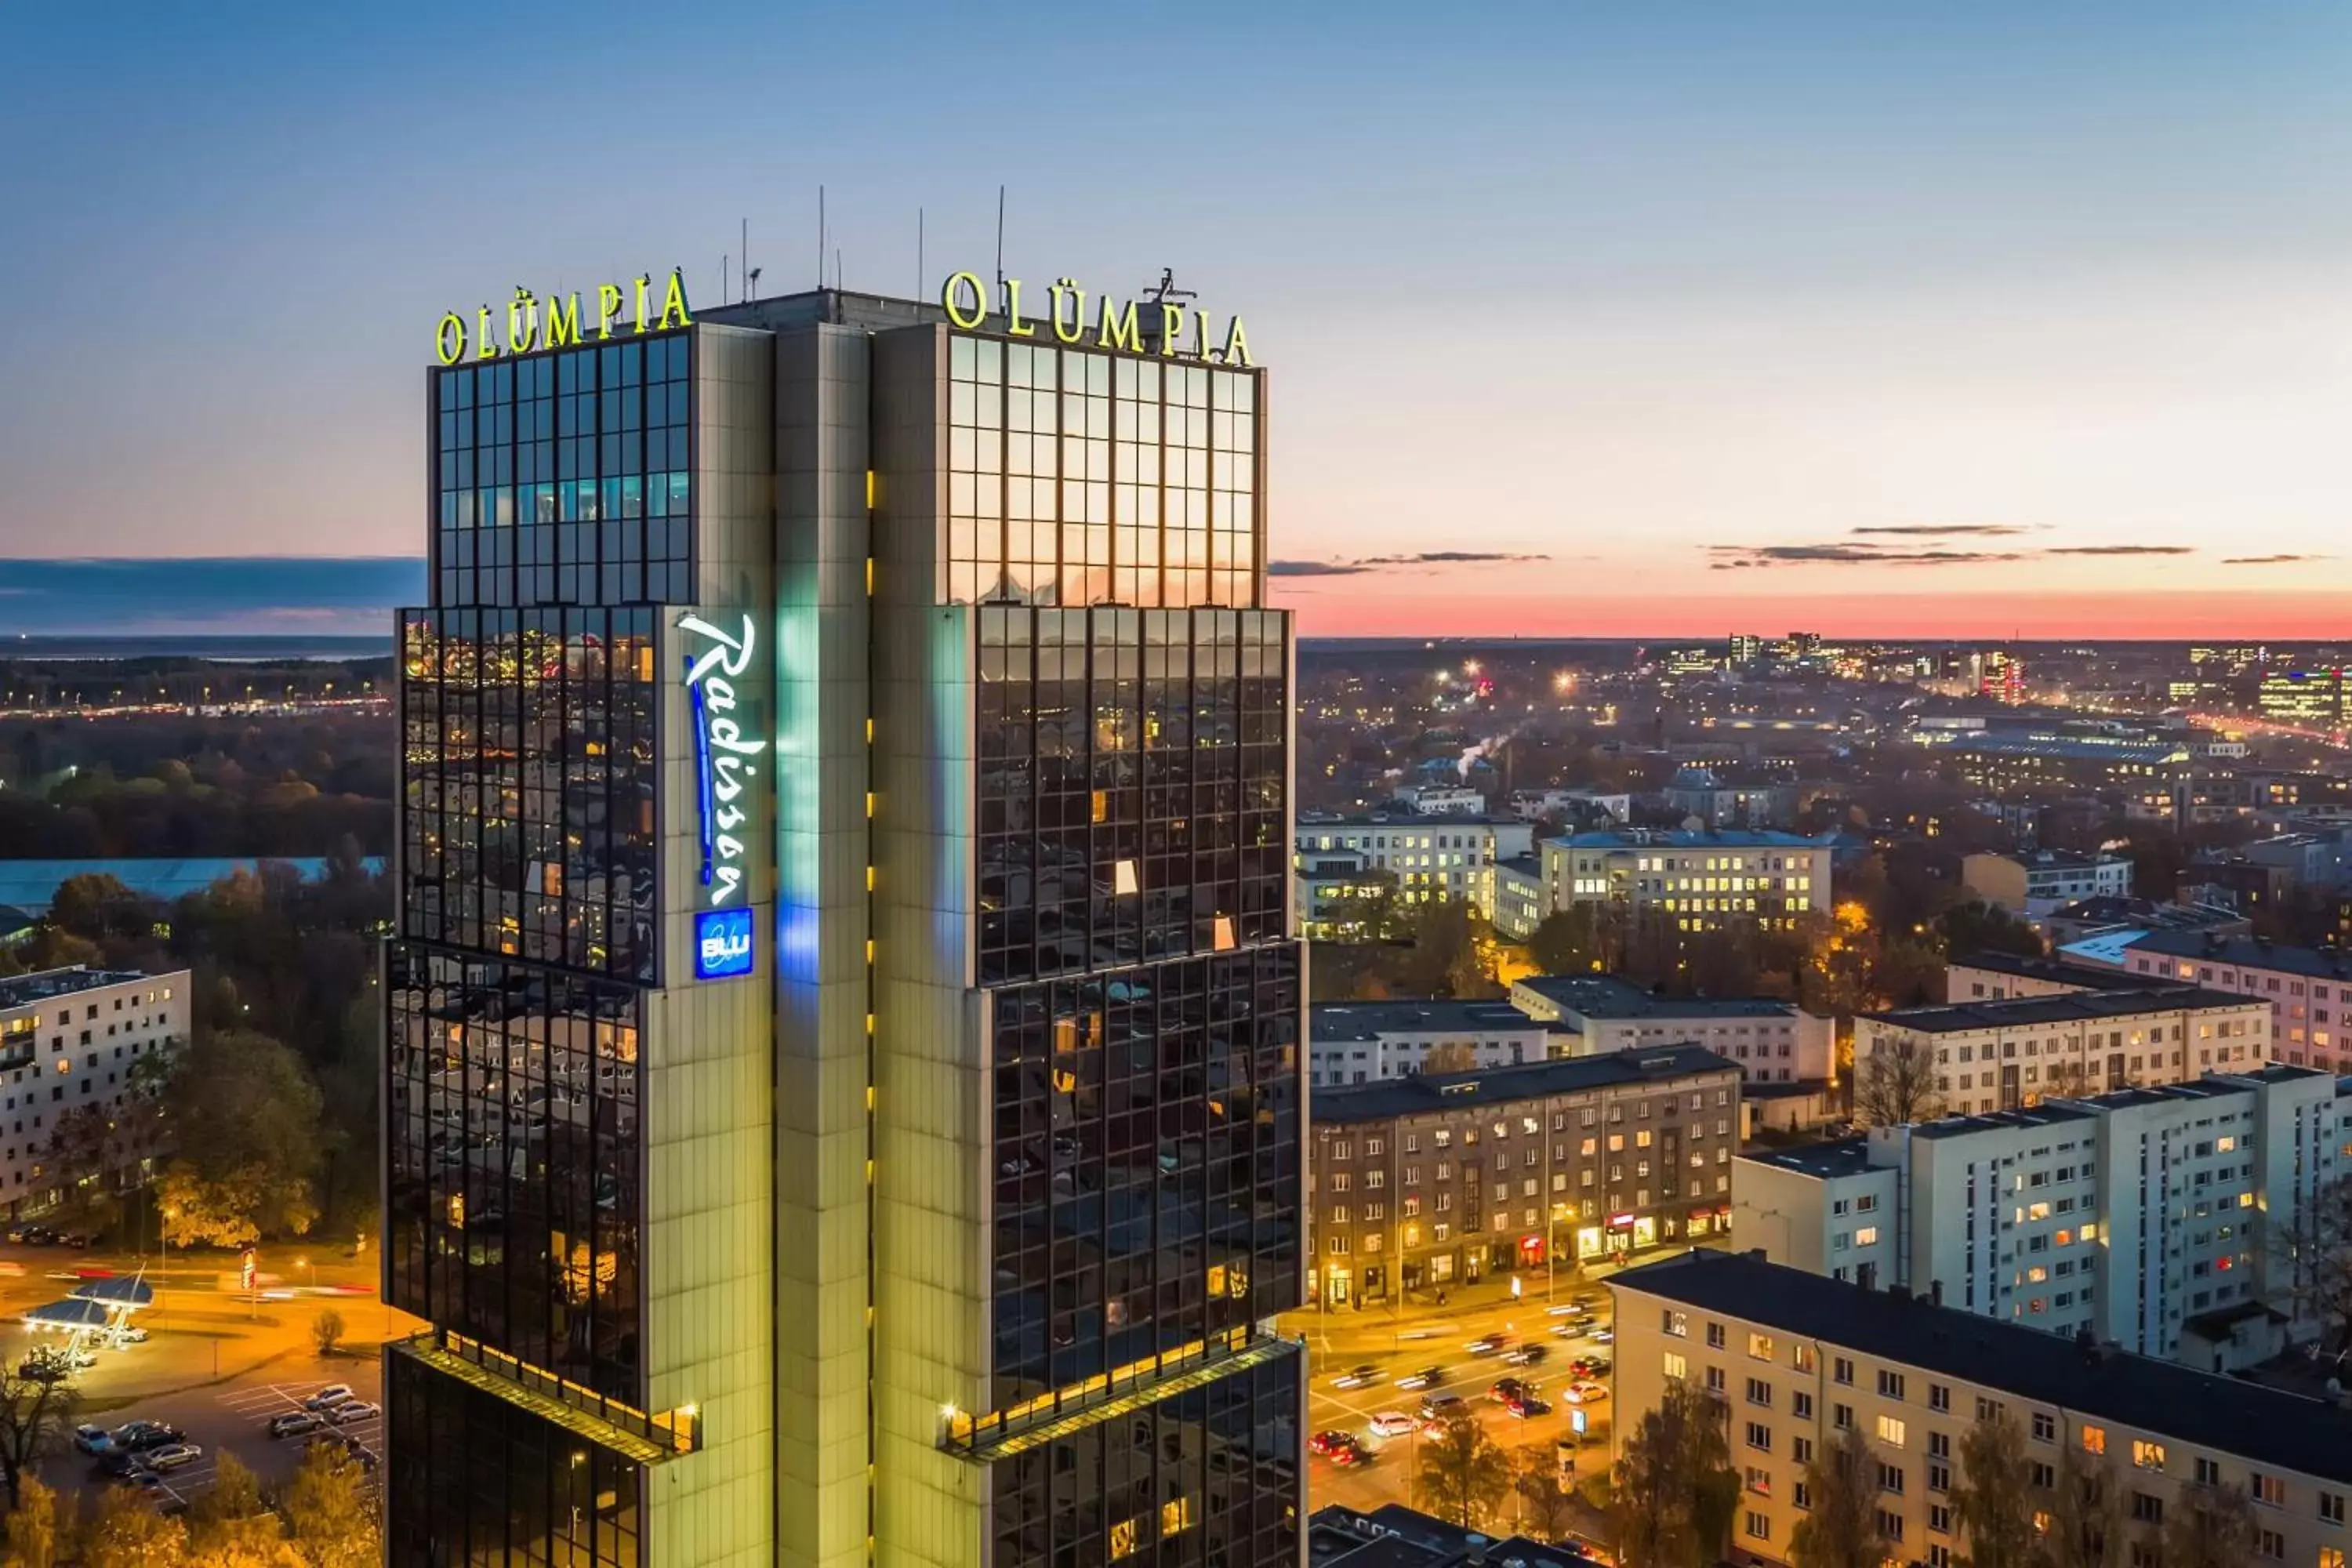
(1438, 1407)
(1505, 1390)
(1584, 1391)
(1392, 1424)
(43, 1369)
(327, 1398)
(1604, 1336)
(353, 1410)
(294, 1423)
(1351, 1454)
(174, 1456)
(1324, 1442)
(1527, 1405)
(1362, 1376)
(1487, 1344)
(93, 1440)
(1427, 1377)
(1569, 1331)
(1591, 1366)
(1524, 1355)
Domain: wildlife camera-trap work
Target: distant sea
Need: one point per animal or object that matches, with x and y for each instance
(228, 649)
(244, 607)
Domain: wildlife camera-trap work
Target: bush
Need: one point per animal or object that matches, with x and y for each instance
(326, 1331)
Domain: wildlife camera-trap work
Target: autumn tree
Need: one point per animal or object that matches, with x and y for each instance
(1896, 1083)
(1547, 1507)
(2086, 1516)
(1992, 1498)
(1465, 1474)
(1445, 955)
(1841, 1530)
(244, 1117)
(2316, 1248)
(126, 1531)
(36, 1419)
(37, 1527)
(2209, 1527)
(1573, 941)
(230, 1525)
(1675, 1489)
(332, 1517)
(327, 1333)
(1979, 927)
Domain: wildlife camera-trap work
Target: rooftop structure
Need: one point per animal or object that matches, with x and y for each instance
(1503, 1086)
(2082, 1006)
(43, 986)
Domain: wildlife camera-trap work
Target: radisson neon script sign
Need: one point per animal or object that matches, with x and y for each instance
(722, 755)
(553, 322)
(1114, 327)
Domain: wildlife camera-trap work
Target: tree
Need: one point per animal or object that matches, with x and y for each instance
(2209, 1527)
(1573, 941)
(2086, 1516)
(1443, 956)
(246, 1117)
(1675, 1491)
(327, 1505)
(1547, 1507)
(1979, 927)
(35, 1528)
(127, 1532)
(1463, 1473)
(1993, 1498)
(1896, 1083)
(36, 1418)
(1842, 1529)
(2317, 1244)
(327, 1333)
(231, 1526)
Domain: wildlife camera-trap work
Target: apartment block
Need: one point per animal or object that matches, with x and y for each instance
(71, 1039)
(2306, 991)
(1425, 859)
(1698, 879)
(1369, 1042)
(1774, 1041)
(2035, 882)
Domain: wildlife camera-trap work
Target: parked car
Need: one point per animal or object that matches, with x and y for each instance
(41, 1368)
(119, 1465)
(327, 1398)
(1392, 1424)
(1362, 1376)
(353, 1410)
(1524, 1355)
(294, 1423)
(174, 1456)
(1487, 1344)
(93, 1440)
(1427, 1377)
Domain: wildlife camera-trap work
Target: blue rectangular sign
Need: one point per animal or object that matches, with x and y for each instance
(722, 943)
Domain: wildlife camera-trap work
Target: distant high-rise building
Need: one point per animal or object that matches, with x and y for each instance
(844, 1063)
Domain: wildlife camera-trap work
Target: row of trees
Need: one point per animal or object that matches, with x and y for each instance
(323, 1518)
(1676, 1495)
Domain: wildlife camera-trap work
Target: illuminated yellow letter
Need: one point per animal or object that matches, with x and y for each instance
(1171, 327)
(1236, 343)
(1119, 329)
(563, 322)
(674, 303)
(1013, 324)
(449, 339)
(1067, 289)
(485, 346)
(967, 320)
(608, 303)
(644, 280)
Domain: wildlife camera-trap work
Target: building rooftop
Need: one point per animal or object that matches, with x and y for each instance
(2048, 1113)
(2080, 748)
(25, 990)
(2057, 971)
(2269, 1428)
(1826, 1159)
(2089, 1007)
(1404, 816)
(1611, 996)
(2148, 914)
(1413, 1015)
(2249, 953)
(2053, 860)
(1524, 865)
(1433, 1092)
(1689, 838)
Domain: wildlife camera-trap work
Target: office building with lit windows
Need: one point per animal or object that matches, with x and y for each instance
(1697, 879)
(843, 1064)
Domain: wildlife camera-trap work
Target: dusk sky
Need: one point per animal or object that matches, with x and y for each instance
(1895, 319)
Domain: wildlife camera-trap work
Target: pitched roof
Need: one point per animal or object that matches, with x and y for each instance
(2249, 953)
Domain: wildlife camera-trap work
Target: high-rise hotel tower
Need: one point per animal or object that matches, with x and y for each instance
(843, 1066)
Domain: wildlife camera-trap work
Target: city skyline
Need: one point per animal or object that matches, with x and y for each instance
(1975, 325)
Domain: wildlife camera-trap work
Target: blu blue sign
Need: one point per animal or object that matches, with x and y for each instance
(722, 943)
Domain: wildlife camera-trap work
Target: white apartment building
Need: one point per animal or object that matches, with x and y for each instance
(68, 1038)
(1442, 800)
(2306, 990)
(2146, 1218)
(1431, 859)
(1519, 902)
(1366, 1042)
(1698, 879)
(2034, 882)
(1796, 1360)
(1533, 804)
(2005, 1055)
(1772, 1041)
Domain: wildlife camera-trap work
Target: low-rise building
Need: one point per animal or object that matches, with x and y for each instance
(1519, 905)
(2129, 1217)
(1587, 804)
(1699, 881)
(71, 1038)
(1797, 1360)
(1997, 976)
(1716, 801)
(1426, 1181)
(1425, 859)
(1772, 1041)
(1442, 800)
(2034, 882)
(1367, 1042)
(2006, 1055)
(2092, 917)
(2305, 991)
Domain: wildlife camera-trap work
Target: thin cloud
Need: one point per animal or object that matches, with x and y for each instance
(1313, 568)
(2123, 550)
(1379, 563)
(2270, 560)
(1746, 555)
(1947, 530)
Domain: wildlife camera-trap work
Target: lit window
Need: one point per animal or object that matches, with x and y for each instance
(1890, 1431)
(2148, 1456)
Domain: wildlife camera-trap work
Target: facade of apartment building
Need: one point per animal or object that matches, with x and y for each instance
(1699, 880)
(72, 1038)
(1772, 1041)
(1369, 1042)
(1425, 859)
(2307, 990)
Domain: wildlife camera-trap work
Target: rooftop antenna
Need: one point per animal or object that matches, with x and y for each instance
(1165, 291)
(752, 291)
(837, 267)
(919, 253)
(723, 277)
(820, 237)
(1000, 242)
(745, 252)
